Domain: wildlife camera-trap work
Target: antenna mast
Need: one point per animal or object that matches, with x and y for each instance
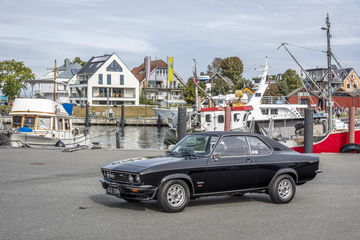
(330, 102)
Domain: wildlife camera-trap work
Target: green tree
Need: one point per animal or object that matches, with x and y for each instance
(79, 61)
(12, 75)
(189, 91)
(292, 79)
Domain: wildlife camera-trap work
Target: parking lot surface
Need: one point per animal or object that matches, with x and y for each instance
(48, 194)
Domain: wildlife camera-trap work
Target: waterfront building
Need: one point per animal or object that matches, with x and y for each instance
(153, 82)
(345, 79)
(104, 80)
(46, 86)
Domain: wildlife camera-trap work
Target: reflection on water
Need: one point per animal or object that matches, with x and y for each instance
(131, 136)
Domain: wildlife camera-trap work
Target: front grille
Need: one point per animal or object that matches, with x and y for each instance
(116, 176)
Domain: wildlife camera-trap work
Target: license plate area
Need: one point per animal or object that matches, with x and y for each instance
(113, 191)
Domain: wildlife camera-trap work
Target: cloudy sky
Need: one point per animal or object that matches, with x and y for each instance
(39, 31)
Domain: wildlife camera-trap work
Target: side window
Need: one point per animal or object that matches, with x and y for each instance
(17, 121)
(29, 122)
(232, 146)
(60, 124)
(208, 117)
(236, 117)
(258, 147)
(212, 142)
(67, 124)
(274, 111)
(221, 119)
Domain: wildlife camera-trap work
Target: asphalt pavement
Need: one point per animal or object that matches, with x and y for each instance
(48, 194)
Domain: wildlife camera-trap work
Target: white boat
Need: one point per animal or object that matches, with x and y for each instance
(41, 122)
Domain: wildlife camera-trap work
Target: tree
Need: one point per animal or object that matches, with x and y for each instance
(79, 61)
(292, 79)
(12, 75)
(189, 91)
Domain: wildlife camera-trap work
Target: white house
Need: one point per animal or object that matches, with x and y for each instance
(104, 80)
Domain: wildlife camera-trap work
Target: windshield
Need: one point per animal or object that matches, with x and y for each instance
(195, 145)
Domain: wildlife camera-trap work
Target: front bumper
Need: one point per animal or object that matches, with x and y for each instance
(136, 192)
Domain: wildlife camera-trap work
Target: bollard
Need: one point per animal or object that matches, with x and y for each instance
(122, 115)
(181, 125)
(117, 135)
(227, 118)
(158, 121)
(352, 125)
(87, 119)
(308, 131)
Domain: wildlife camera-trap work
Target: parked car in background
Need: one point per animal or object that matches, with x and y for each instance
(211, 163)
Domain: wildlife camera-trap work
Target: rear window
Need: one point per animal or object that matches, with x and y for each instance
(257, 146)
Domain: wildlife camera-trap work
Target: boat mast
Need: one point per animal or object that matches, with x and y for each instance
(330, 103)
(196, 87)
(55, 70)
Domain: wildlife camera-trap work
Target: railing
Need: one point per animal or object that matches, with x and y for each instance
(274, 100)
(164, 87)
(113, 95)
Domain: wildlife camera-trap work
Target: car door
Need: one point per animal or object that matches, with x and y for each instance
(262, 155)
(231, 167)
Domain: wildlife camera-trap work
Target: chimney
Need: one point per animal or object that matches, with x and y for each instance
(67, 62)
(147, 62)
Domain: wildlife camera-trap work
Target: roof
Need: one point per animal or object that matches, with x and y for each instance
(94, 64)
(341, 73)
(70, 69)
(273, 143)
(139, 72)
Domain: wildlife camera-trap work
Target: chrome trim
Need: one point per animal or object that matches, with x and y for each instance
(318, 171)
(231, 191)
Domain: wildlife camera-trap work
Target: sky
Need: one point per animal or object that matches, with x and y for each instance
(39, 31)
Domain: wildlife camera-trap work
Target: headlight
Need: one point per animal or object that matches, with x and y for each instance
(134, 178)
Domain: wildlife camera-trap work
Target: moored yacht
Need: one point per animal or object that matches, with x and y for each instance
(41, 122)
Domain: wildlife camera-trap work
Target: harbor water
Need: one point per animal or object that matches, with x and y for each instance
(132, 137)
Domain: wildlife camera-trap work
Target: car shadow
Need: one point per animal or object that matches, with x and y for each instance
(113, 202)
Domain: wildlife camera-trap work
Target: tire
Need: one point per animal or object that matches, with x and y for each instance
(282, 189)
(173, 196)
(131, 200)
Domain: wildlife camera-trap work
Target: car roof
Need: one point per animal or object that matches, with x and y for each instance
(273, 143)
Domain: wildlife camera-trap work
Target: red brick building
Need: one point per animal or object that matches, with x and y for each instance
(341, 98)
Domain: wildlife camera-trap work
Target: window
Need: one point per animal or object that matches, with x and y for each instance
(121, 79)
(236, 117)
(257, 146)
(208, 117)
(108, 79)
(233, 146)
(29, 122)
(257, 94)
(60, 124)
(274, 111)
(195, 144)
(221, 119)
(43, 123)
(114, 67)
(67, 124)
(17, 121)
(348, 85)
(265, 111)
(100, 79)
(355, 85)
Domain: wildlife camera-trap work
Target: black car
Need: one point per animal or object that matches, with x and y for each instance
(211, 163)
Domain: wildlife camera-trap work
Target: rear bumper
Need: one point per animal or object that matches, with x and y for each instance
(136, 192)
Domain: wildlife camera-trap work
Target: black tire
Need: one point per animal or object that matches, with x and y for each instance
(131, 200)
(178, 200)
(282, 189)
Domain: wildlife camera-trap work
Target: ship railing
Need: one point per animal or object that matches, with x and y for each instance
(274, 100)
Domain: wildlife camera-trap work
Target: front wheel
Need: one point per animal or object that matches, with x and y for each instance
(173, 196)
(282, 189)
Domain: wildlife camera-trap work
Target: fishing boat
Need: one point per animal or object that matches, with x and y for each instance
(41, 122)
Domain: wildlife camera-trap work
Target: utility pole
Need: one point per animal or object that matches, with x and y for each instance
(330, 103)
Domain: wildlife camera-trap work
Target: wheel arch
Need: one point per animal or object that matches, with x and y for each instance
(181, 176)
(290, 171)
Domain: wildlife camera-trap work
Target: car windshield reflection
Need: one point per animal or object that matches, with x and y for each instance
(194, 145)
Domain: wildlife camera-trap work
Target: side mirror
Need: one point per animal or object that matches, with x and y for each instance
(216, 156)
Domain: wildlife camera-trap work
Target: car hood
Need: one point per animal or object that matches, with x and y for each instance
(141, 163)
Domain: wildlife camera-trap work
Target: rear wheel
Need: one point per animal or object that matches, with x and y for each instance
(282, 189)
(173, 196)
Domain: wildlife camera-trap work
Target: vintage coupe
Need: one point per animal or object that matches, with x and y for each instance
(211, 163)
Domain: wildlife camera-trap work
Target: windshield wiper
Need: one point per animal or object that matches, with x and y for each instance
(188, 154)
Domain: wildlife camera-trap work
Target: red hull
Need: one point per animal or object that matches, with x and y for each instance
(331, 143)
